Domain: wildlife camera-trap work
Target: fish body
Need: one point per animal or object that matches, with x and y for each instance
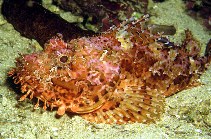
(120, 76)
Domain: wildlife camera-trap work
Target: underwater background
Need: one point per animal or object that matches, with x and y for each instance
(187, 114)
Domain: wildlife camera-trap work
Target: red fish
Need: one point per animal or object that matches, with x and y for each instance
(120, 76)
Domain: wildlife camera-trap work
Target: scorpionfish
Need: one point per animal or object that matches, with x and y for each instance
(120, 76)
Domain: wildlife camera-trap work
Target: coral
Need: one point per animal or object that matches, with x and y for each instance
(103, 13)
(200, 10)
(120, 76)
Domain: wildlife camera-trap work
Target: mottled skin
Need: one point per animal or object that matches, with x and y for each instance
(120, 76)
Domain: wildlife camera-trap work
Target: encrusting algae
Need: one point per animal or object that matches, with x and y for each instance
(120, 76)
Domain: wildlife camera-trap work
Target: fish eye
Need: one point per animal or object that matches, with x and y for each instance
(63, 59)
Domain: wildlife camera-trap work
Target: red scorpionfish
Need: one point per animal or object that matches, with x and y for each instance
(120, 76)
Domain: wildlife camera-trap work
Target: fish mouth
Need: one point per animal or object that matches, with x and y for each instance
(77, 103)
(88, 109)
